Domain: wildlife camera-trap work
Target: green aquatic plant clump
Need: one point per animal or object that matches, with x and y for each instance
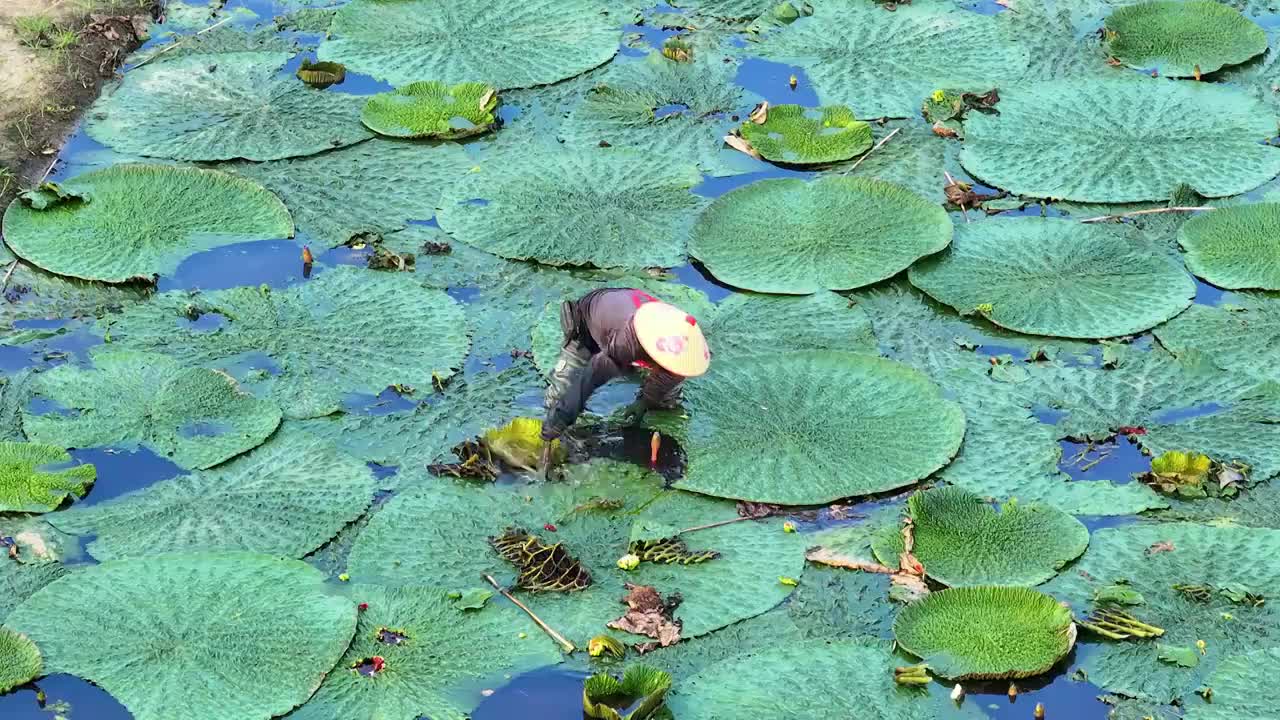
(1182, 39)
(1235, 247)
(963, 541)
(986, 632)
(433, 110)
(641, 685)
(21, 657)
(28, 483)
(134, 222)
(797, 135)
(797, 237)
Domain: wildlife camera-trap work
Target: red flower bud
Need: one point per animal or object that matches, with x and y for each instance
(363, 606)
(549, 527)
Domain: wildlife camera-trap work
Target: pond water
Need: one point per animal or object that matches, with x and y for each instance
(549, 693)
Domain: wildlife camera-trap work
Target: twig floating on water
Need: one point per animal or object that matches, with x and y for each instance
(1152, 211)
(708, 526)
(568, 646)
(877, 147)
(13, 266)
(178, 42)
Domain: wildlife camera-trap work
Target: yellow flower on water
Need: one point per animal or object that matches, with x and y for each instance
(629, 561)
(939, 95)
(344, 577)
(789, 581)
(788, 526)
(1200, 645)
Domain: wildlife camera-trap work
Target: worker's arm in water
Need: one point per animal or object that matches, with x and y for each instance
(600, 370)
(661, 390)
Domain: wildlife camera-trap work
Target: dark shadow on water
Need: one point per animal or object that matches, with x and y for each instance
(546, 694)
(123, 471)
(771, 81)
(85, 701)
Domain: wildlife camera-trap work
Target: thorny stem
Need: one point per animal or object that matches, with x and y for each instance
(568, 646)
(877, 147)
(1152, 211)
(171, 46)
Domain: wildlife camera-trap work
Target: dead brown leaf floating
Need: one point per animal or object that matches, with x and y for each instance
(760, 113)
(649, 615)
(906, 582)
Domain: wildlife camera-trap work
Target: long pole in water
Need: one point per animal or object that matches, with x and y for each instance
(568, 646)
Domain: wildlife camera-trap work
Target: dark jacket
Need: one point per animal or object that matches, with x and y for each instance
(600, 322)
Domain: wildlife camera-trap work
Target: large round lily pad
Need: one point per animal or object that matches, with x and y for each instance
(986, 632)
(613, 208)
(1233, 336)
(795, 237)
(757, 325)
(194, 416)
(509, 46)
(809, 428)
(797, 135)
(223, 106)
(1122, 140)
(962, 540)
(345, 331)
(883, 63)
(285, 498)
(21, 660)
(1237, 692)
(1057, 277)
(1183, 39)
(1235, 247)
(436, 668)
(255, 634)
(26, 483)
(432, 109)
(138, 221)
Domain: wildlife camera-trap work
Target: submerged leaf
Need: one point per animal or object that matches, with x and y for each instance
(543, 567)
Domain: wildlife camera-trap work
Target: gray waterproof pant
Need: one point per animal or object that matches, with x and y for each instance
(574, 358)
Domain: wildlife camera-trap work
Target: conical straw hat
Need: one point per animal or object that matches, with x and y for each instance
(672, 338)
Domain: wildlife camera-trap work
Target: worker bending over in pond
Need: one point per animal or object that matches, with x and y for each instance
(609, 332)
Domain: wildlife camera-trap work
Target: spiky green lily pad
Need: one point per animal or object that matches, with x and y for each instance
(179, 617)
(194, 416)
(344, 331)
(373, 187)
(660, 107)
(533, 43)
(883, 63)
(1237, 692)
(641, 686)
(436, 669)
(1235, 247)
(795, 237)
(219, 107)
(780, 681)
(797, 135)
(139, 221)
(963, 541)
(811, 427)
(1153, 558)
(1122, 140)
(285, 498)
(21, 660)
(1232, 336)
(431, 109)
(594, 511)
(986, 632)
(757, 325)
(25, 487)
(601, 208)
(1057, 277)
(1182, 39)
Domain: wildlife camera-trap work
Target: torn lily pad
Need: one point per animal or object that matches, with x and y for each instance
(746, 324)
(592, 207)
(21, 660)
(30, 481)
(986, 632)
(177, 616)
(1122, 140)
(1235, 247)
(1046, 276)
(220, 107)
(963, 541)
(519, 46)
(431, 109)
(285, 498)
(883, 63)
(323, 343)
(194, 416)
(795, 237)
(797, 135)
(1182, 39)
(809, 428)
(433, 668)
(646, 688)
(142, 221)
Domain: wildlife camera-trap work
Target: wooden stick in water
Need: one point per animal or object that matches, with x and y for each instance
(5, 284)
(568, 646)
(1152, 211)
(179, 41)
(877, 147)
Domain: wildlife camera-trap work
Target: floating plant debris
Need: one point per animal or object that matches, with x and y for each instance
(543, 568)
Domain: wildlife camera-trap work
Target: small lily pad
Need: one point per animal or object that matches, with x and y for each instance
(21, 660)
(796, 135)
(25, 487)
(1182, 39)
(472, 599)
(1235, 247)
(433, 110)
